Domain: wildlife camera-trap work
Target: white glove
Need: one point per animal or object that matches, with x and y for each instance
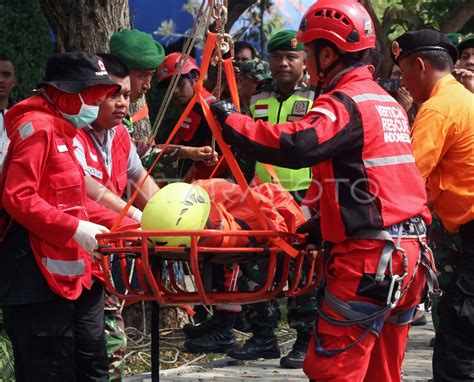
(85, 236)
(137, 215)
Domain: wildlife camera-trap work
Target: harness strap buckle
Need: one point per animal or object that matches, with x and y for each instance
(393, 295)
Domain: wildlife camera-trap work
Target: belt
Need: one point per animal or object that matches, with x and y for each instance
(413, 227)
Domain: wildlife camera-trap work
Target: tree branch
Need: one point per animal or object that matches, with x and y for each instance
(235, 9)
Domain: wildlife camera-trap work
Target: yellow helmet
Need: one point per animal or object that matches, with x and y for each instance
(177, 206)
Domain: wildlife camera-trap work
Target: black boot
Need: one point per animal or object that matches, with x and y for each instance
(295, 358)
(218, 338)
(241, 324)
(262, 344)
(196, 331)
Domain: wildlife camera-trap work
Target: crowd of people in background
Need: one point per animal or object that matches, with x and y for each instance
(316, 111)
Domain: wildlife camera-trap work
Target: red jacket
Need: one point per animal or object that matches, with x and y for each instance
(361, 137)
(44, 190)
(117, 181)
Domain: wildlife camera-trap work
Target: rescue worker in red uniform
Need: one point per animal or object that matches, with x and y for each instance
(372, 204)
(53, 306)
(194, 130)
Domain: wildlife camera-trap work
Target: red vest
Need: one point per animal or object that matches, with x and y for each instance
(50, 211)
(117, 180)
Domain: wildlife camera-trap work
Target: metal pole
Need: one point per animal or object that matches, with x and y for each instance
(155, 342)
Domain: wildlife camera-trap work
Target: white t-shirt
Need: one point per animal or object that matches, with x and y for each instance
(4, 141)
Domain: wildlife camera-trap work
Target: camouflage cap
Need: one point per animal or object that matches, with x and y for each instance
(256, 70)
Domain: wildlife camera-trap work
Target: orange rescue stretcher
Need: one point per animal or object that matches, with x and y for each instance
(277, 253)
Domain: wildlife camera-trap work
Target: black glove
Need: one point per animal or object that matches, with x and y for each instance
(222, 109)
(313, 228)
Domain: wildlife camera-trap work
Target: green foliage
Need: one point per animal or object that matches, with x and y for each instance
(26, 39)
(6, 355)
(399, 16)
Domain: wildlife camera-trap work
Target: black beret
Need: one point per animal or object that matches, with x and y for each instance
(422, 40)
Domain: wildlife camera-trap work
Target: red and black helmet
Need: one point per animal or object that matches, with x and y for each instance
(346, 23)
(170, 64)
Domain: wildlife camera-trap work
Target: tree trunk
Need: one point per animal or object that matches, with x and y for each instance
(456, 19)
(85, 25)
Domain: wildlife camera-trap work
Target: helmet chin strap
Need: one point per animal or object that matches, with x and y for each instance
(322, 73)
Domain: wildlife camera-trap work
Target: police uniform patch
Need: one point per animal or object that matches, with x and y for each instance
(300, 107)
(26, 130)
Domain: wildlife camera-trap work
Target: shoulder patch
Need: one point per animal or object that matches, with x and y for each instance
(300, 107)
(26, 130)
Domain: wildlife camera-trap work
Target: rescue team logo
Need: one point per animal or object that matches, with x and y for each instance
(103, 71)
(261, 109)
(394, 123)
(300, 107)
(101, 65)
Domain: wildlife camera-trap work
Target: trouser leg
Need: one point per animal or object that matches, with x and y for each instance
(347, 263)
(386, 357)
(43, 340)
(115, 337)
(453, 357)
(91, 351)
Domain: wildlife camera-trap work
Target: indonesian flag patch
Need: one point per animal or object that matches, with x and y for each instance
(261, 109)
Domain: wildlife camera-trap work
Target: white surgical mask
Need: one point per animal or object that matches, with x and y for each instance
(87, 114)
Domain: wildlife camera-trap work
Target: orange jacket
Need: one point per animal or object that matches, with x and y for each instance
(443, 144)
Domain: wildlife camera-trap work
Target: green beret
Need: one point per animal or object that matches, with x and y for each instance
(285, 40)
(455, 38)
(467, 42)
(137, 49)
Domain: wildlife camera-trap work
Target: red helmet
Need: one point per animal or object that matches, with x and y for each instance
(170, 64)
(346, 23)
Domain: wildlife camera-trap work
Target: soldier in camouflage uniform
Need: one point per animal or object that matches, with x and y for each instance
(446, 249)
(253, 76)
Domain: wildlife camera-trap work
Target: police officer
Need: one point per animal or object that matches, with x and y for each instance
(359, 138)
(285, 100)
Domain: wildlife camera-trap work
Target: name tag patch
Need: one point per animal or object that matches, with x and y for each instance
(94, 172)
